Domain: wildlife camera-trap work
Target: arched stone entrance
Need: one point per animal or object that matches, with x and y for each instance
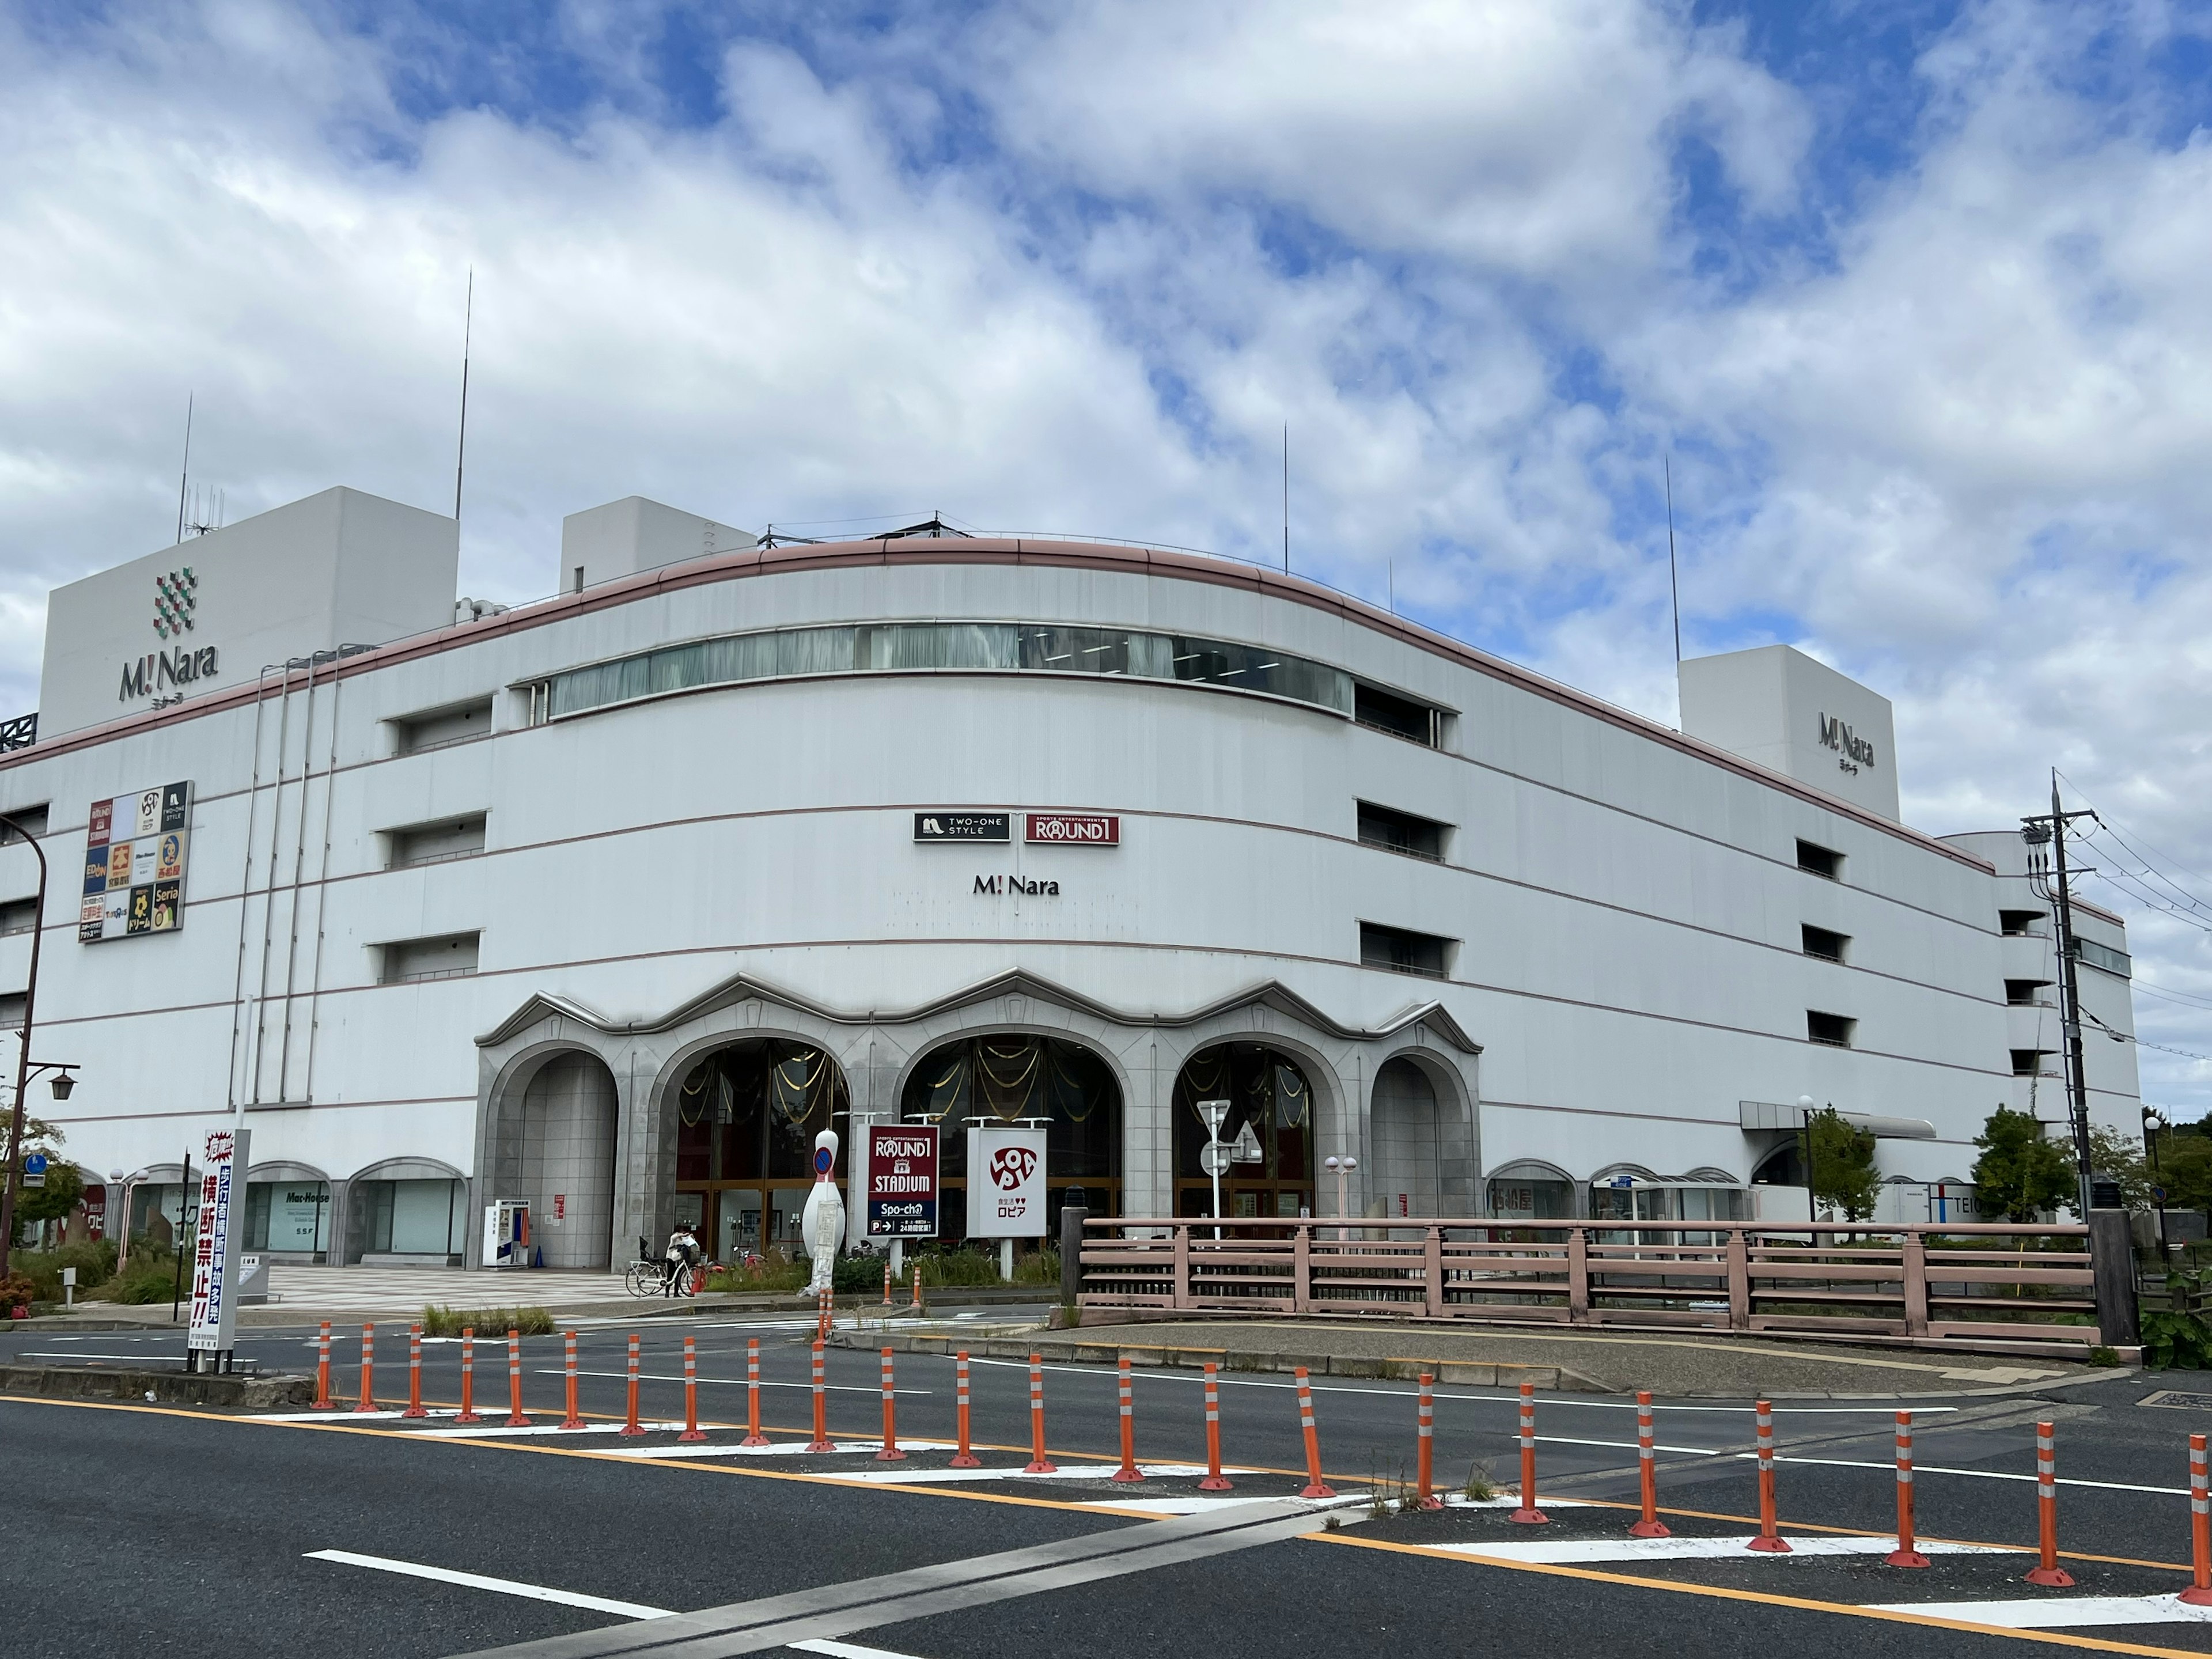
(1268, 1090)
(553, 1147)
(747, 1116)
(1009, 1077)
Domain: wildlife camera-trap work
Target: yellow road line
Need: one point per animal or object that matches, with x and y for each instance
(1797, 1603)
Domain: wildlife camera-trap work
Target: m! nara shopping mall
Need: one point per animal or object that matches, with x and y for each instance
(608, 903)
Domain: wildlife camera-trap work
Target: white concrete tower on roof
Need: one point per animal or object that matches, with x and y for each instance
(634, 534)
(1791, 715)
(338, 568)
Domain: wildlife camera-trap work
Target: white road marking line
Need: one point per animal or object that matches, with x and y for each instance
(1576, 1551)
(740, 1382)
(343, 1414)
(2061, 1612)
(782, 1449)
(503, 1586)
(494, 1432)
(1094, 1471)
(845, 1650)
(1977, 1474)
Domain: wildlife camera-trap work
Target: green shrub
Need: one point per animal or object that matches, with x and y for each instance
(776, 1272)
(150, 1276)
(2176, 1339)
(856, 1276)
(955, 1265)
(486, 1321)
(93, 1260)
(1037, 1267)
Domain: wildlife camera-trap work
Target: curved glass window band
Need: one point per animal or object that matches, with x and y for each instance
(910, 648)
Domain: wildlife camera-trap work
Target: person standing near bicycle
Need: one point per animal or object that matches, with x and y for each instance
(683, 1255)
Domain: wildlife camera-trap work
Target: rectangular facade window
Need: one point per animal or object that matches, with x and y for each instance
(2019, 924)
(11, 1012)
(1820, 860)
(33, 819)
(1401, 951)
(18, 916)
(448, 956)
(1819, 942)
(2025, 993)
(1401, 717)
(443, 727)
(1402, 832)
(438, 843)
(2028, 1062)
(1833, 1029)
(2102, 956)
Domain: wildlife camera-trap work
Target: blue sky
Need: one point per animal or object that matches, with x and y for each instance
(1910, 294)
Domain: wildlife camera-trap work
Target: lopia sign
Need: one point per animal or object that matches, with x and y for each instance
(1006, 1183)
(901, 1181)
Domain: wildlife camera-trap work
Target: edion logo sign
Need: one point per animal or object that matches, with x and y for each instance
(1012, 1166)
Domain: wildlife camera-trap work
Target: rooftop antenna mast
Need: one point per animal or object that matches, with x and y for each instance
(187, 470)
(1286, 498)
(1673, 581)
(461, 449)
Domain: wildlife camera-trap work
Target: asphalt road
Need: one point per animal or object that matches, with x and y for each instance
(147, 1530)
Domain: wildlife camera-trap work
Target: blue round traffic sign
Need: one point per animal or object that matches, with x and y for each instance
(34, 1163)
(822, 1160)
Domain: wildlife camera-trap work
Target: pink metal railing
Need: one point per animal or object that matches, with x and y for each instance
(2018, 1286)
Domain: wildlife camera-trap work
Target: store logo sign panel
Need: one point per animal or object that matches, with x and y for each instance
(1074, 829)
(903, 1181)
(964, 826)
(1006, 1183)
(135, 850)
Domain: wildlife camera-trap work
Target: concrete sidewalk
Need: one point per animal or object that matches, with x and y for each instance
(1676, 1367)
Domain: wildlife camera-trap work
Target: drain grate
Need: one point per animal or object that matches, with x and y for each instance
(2188, 1402)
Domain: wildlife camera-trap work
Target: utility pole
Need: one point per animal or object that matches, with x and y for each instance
(2051, 829)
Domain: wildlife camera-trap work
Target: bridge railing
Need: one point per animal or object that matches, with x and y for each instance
(2024, 1287)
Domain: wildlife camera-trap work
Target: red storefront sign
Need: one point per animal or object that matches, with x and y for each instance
(903, 1181)
(1074, 829)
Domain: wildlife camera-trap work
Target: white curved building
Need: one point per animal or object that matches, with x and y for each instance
(608, 903)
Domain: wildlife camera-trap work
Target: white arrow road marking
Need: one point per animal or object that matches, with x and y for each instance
(503, 1586)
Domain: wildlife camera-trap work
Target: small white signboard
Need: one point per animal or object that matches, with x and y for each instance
(1006, 1183)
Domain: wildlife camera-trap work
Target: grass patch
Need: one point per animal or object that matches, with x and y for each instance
(486, 1321)
(1481, 1481)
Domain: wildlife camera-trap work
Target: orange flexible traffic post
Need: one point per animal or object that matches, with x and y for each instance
(367, 1366)
(963, 1458)
(1214, 1480)
(1315, 1486)
(1769, 1541)
(572, 1419)
(891, 1452)
(1648, 1524)
(691, 1431)
(414, 1373)
(2046, 1570)
(917, 1287)
(821, 1441)
(468, 1413)
(821, 1320)
(322, 1400)
(1038, 1464)
(1425, 1487)
(887, 1281)
(1129, 1472)
(515, 1419)
(1906, 1554)
(2200, 1528)
(753, 1436)
(1528, 1514)
(630, 1425)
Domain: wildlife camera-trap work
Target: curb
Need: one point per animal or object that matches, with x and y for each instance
(1467, 1373)
(174, 1388)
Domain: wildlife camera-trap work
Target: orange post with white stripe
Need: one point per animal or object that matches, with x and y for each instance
(1315, 1486)
(368, 1366)
(572, 1418)
(322, 1400)
(1129, 1472)
(2046, 1570)
(753, 1435)
(822, 1319)
(1527, 1514)
(963, 1458)
(1769, 1541)
(1038, 1464)
(414, 1373)
(2199, 1592)
(1907, 1552)
(887, 1281)
(1215, 1480)
(1425, 1478)
(691, 1431)
(1647, 1523)
(821, 1441)
(917, 1287)
(630, 1425)
(891, 1452)
(468, 1413)
(515, 1419)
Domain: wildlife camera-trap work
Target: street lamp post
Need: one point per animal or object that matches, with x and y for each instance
(24, 1069)
(2152, 1123)
(1344, 1167)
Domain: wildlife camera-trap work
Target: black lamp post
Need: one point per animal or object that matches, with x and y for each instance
(24, 1069)
(2152, 1123)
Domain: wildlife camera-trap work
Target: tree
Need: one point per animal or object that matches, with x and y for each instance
(2020, 1173)
(1843, 1174)
(64, 1188)
(2119, 1160)
(2184, 1166)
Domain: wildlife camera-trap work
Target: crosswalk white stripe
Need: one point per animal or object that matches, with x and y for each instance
(503, 1586)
